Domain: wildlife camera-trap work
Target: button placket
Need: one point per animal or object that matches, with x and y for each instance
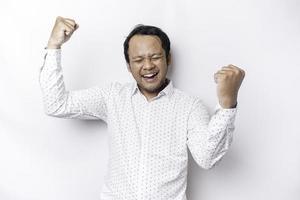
(144, 148)
(140, 128)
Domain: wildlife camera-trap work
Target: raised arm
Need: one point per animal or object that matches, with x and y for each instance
(88, 103)
(209, 138)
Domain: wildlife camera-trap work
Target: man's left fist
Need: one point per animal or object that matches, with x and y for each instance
(229, 80)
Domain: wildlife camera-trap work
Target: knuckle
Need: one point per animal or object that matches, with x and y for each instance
(225, 67)
(67, 26)
(236, 71)
(230, 73)
(61, 22)
(241, 72)
(59, 19)
(71, 22)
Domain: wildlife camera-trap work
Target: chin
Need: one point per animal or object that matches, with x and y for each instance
(152, 87)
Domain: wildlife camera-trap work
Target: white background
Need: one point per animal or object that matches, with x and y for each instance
(46, 158)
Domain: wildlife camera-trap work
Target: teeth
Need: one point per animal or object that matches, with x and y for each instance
(148, 75)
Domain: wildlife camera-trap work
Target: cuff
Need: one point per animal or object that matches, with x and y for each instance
(52, 58)
(51, 52)
(226, 111)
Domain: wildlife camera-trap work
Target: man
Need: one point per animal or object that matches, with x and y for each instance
(151, 124)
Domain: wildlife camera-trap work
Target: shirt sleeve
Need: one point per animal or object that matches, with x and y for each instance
(87, 104)
(208, 138)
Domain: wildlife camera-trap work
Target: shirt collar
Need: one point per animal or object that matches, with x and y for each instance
(168, 90)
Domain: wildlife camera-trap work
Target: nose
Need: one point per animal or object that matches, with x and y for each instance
(148, 65)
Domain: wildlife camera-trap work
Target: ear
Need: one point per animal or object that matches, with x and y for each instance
(169, 59)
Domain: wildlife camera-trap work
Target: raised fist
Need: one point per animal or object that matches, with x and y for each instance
(61, 32)
(229, 80)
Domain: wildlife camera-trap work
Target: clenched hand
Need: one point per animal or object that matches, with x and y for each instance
(229, 80)
(61, 32)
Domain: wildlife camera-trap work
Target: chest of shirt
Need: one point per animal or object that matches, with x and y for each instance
(138, 125)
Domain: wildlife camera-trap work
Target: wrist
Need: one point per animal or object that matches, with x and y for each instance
(229, 103)
(228, 106)
(52, 45)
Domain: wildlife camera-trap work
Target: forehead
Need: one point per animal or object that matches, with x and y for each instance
(144, 44)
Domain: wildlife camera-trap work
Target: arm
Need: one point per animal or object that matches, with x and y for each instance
(208, 139)
(88, 103)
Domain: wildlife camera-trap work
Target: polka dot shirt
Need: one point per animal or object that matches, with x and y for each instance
(148, 140)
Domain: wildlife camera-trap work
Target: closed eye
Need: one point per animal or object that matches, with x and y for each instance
(138, 60)
(156, 57)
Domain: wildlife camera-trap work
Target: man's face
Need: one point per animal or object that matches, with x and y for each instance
(147, 58)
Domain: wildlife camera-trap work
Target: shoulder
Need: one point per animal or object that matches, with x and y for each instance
(121, 88)
(113, 87)
(186, 97)
(190, 102)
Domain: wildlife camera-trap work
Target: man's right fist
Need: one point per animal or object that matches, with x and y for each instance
(61, 32)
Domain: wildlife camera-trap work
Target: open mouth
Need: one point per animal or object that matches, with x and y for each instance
(150, 77)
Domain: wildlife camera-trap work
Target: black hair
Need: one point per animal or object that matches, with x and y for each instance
(141, 29)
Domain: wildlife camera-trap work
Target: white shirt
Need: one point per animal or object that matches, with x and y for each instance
(148, 141)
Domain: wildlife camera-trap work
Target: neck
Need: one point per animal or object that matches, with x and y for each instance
(154, 94)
